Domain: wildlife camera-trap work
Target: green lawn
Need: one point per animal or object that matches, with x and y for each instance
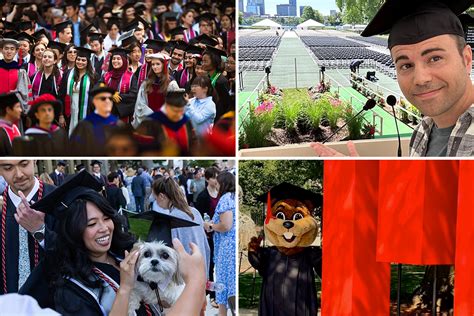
(411, 278)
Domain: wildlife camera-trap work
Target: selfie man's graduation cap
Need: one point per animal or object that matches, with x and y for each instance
(59, 200)
(413, 21)
(287, 190)
(161, 225)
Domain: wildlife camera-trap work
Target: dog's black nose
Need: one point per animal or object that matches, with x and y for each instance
(288, 224)
(154, 262)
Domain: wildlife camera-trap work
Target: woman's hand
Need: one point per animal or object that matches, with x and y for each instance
(127, 270)
(207, 226)
(62, 121)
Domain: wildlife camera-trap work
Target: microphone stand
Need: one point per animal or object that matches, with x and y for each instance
(368, 105)
(392, 100)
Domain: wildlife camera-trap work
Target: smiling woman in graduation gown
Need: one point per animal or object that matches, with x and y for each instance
(121, 79)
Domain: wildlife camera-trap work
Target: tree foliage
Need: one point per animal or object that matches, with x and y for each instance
(257, 177)
(358, 11)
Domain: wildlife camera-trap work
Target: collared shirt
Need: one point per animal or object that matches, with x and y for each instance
(76, 32)
(16, 199)
(461, 140)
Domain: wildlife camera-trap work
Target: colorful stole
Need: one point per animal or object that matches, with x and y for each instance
(83, 93)
(9, 80)
(4, 237)
(180, 67)
(180, 136)
(142, 74)
(32, 69)
(184, 78)
(11, 130)
(214, 78)
(189, 34)
(39, 130)
(38, 80)
(125, 81)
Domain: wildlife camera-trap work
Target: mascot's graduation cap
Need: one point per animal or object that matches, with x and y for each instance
(287, 190)
(162, 224)
(413, 21)
(57, 202)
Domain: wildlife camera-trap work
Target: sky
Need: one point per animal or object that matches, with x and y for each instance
(323, 6)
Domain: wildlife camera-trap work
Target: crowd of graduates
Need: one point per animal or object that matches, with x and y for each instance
(119, 78)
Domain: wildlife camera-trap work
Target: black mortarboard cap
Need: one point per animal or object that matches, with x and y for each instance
(170, 16)
(94, 36)
(140, 7)
(38, 34)
(192, 6)
(100, 88)
(59, 200)
(125, 35)
(119, 51)
(63, 25)
(10, 34)
(23, 36)
(163, 2)
(287, 190)
(195, 50)
(177, 30)
(206, 16)
(85, 30)
(84, 52)
(113, 20)
(95, 162)
(161, 225)
(155, 44)
(216, 51)
(57, 45)
(128, 4)
(104, 10)
(182, 45)
(61, 163)
(8, 99)
(128, 41)
(206, 40)
(24, 25)
(424, 19)
(71, 2)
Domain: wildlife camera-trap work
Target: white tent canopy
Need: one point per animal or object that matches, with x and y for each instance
(268, 23)
(309, 23)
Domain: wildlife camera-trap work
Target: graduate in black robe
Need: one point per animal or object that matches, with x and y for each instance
(288, 286)
(90, 135)
(171, 128)
(11, 243)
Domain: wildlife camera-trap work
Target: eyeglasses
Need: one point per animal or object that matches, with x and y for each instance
(104, 98)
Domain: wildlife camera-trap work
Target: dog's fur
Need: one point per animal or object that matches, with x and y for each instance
(156, 263)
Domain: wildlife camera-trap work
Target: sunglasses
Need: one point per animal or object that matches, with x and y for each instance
(104, 98)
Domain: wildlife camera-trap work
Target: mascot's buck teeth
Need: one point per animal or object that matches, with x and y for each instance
(288, 235)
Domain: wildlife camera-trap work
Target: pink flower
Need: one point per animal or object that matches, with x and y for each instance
(265, 106)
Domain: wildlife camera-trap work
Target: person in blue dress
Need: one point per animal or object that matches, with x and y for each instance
(223, 224)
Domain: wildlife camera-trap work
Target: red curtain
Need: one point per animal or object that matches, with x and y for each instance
(417, 211)
(464, 280)
(353, 282)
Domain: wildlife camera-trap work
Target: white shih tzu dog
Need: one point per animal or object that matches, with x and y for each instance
(157, 267)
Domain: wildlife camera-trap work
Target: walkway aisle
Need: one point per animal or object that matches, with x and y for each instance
(283, 68)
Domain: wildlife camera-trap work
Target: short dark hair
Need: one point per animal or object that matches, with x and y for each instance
(211, 172)
(3, 109)
(460, 43)
(203, 82)
(175, 98)
(112, 176)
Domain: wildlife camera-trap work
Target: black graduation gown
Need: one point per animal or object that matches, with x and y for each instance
(187, 85)
(52, 144)
(288, 286)
(70, 299)
(156, 124)
(12, 242)
(5, 145)
(126, 107)
(224, 101)
(115, 197)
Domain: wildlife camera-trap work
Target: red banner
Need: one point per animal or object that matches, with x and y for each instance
(353, 282)
(464, 281)
(417, 211)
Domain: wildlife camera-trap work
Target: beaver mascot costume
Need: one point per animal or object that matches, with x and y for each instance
(288, 267)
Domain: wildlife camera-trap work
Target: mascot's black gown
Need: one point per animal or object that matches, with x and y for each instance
(288, 286)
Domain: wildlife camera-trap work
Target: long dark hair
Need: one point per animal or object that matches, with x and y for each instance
(64, 61)
(170, 188)
(69, 256)
(89, 71)
(226, 183)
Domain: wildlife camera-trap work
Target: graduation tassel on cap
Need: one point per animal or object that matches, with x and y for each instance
(269, 208)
